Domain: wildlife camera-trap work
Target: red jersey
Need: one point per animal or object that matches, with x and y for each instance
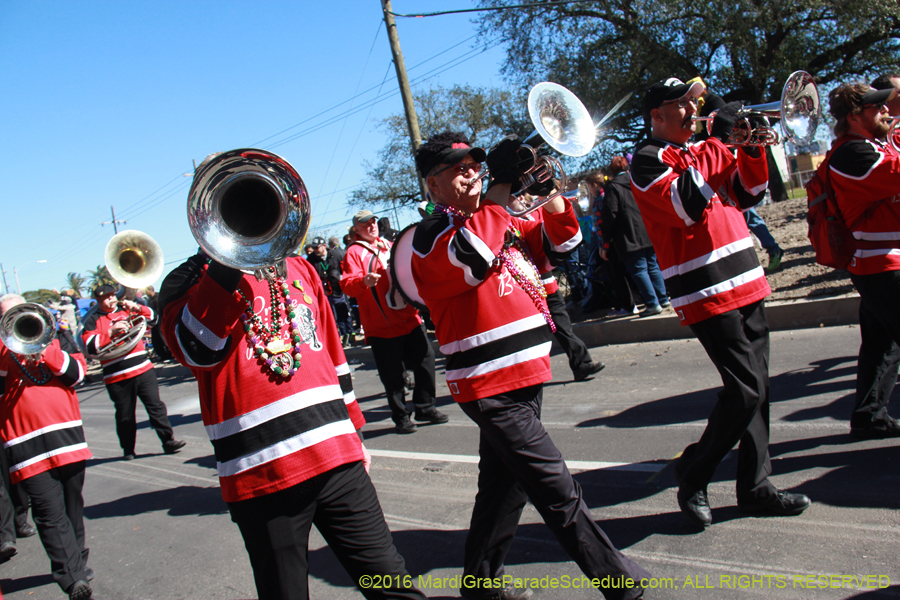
(382, 310)
(690, 198)
(40, 420)
(863, 172)
(96, 335)
(489, 328)
(268, 432)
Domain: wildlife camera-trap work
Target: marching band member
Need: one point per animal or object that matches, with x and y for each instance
(393, 328)
(689, 197)
(471, 266)
(40, 422)
(128, 377)
(277, 400)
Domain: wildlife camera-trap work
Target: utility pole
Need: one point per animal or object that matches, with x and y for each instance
(412, 120)
(5, 285)
(114, 222)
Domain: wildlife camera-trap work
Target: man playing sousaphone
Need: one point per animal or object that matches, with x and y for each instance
(129, 377)
(472, 268)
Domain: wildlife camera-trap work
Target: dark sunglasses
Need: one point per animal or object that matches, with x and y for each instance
(462, 168)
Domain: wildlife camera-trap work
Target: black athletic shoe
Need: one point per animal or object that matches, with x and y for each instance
(173, 446)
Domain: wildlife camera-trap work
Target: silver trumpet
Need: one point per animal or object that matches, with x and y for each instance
(248, 209)
(799, 111)
(28, 329)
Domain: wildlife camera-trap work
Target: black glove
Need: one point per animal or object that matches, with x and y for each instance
(725, 120)
(542, 188)
(508, 161)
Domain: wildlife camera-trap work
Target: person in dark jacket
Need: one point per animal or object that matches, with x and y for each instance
(623, 227)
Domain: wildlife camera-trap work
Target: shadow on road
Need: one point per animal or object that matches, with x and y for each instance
(186, 500)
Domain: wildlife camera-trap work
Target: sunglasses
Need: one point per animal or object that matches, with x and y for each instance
(462, 168)
(683, 102)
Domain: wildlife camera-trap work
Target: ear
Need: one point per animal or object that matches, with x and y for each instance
(656, 115)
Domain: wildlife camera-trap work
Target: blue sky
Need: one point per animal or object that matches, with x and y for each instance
(106, 103)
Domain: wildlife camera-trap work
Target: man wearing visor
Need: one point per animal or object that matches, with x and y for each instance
(864, 173)
(691, 197)
(473, 266)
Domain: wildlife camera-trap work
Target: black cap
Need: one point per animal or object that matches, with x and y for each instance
(317, 241)
(104, 290)
(875, 97)
(667, 91)
(446, 148)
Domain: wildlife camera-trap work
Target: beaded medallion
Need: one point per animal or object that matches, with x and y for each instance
(281, 355)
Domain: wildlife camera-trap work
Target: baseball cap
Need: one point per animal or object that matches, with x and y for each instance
(843, 104)
(363, 216)
(104, 290)
(874, 97)
(317, 241)
(667, 91)
(446, 148)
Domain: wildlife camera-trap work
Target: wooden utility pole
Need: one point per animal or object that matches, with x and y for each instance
(412, 120)
(115, 223)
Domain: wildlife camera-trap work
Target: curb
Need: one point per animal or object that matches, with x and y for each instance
(782, 316)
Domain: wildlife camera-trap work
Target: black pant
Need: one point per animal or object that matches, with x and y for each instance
(58, 510)
(519, 462)
(343, 506)
(571, 344)
(738, 344)
(13, 504)
(879, 352)
(393, 356)
(124, 395)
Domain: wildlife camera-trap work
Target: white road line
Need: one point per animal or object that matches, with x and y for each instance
(580, 465)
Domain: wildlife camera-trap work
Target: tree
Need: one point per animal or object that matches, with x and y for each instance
(484, 115)
(41, 296)
(743, 49)
(99, 276)
(76, 282)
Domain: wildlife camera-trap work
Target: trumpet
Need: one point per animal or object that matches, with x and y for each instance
(894, 133)
(28, 329)
(562, 122)
(248, 209)
(799, 111)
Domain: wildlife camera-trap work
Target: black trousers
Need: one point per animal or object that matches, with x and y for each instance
(393, 356)
(343, 506)
(14, 504)
(879, 352)
(58, 510)
(571, 344)
(124, 395)
(519, 462)
(738, 344)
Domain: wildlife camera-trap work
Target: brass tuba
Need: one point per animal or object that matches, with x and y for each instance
(28, 329)
(248, 209)
(134, 259)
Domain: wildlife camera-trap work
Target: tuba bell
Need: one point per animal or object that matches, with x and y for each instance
(28, 329)
(134, 259)
(562, 122)
(248, 209)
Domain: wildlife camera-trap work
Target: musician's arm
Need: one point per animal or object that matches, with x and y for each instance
(751, 178)
(354, 270)
(95, 334)
(69, 368)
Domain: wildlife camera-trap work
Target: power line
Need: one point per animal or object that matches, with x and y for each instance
(493, 8)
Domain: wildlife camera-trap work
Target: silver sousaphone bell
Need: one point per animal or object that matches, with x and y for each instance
(248, 209)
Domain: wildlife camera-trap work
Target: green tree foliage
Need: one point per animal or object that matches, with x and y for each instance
(485, 115)
(76, 282)
(743, 49)
(99, 276)
(41, 296)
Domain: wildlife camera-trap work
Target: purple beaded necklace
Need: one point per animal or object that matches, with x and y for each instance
(271, 348)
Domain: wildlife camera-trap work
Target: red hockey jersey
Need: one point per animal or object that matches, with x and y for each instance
(96, 335)
(690, 198)
(493, 336)
(268, 433)
(41, 423)
(863, 172)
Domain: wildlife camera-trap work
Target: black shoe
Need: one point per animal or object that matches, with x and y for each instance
(173, 446)
(26, 530)
(80, 590)
(781, 503)
(588, 369)
(405, 425)
(7, 551)
(507, 593)
(432, 415)
(694, 504)
(890, 429)
(128, 456)
(89, 574)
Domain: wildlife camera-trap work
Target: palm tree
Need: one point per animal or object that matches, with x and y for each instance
(99, 276)
(76, 282)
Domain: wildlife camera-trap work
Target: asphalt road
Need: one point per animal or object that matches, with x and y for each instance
(157, 527)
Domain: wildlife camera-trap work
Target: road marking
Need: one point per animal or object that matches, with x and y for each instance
(579, 465)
